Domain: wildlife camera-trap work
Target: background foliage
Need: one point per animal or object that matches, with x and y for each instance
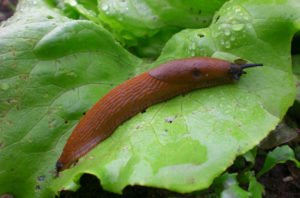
(58, 58)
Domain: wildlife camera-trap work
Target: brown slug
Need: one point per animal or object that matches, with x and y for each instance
(135, 95)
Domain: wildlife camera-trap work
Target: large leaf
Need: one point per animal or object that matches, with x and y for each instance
(212, 126)
(45, 91)
(53, 69)
(144, 26)
(147, 24)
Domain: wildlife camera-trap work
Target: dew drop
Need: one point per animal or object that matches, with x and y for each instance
(104, 7)
(4, 86)
(246, 18)
(227, 32)
(238, 27)
(238, 10)
(227, 44)
(192, 49)
(73, 3)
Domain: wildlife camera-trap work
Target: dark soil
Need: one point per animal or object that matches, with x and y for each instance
(283, 181)
(7, 8)
(90, 187)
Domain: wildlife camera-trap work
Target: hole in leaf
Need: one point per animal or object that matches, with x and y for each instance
(38, 187)
(41, 178)
(201, 35)
(170, 119)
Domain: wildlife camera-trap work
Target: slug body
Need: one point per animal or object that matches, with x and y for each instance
(135, 95)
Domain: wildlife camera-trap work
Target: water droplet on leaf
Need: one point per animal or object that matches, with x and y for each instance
(4, 86)
(104, 7)
(238, 27)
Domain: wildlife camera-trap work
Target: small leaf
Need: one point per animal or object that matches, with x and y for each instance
(279, 155)
(254, 187)
(230, 187)
(250, 156)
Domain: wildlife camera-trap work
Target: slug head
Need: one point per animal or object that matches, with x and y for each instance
(236, 70)
(199, 71)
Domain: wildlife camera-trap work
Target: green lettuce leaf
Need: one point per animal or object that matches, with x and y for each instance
(54, 68)
(145, 26)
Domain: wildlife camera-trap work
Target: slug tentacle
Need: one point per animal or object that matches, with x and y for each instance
(251, 65)
(237, 70)
(135, 95)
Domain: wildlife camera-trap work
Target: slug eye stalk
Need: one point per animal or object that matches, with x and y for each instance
(238, 70)
(244, 66)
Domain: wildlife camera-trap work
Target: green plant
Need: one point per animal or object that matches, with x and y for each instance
(58, 59)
